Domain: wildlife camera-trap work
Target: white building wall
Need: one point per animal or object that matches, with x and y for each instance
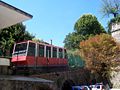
(115, 32)
(4, 62)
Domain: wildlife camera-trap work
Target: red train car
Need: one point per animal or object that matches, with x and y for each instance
(42, 57)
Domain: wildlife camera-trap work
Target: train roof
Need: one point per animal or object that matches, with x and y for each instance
(10, 15)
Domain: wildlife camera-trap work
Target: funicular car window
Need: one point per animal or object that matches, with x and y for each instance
(31, 49)
(60, 53)
(48, 51)
(41, 50)
(20, 47)
(54, 52)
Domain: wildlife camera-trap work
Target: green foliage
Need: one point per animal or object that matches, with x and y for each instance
(110, 7)
(37, 40)
(72, 40)
(100, 53)
(85, 27)
(10, 35)
(74, 59)
(115, 20)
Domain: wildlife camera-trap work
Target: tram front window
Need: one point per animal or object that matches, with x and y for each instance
(20, 49)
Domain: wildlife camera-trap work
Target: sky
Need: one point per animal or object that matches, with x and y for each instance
(54, 19)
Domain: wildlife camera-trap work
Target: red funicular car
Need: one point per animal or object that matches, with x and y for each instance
(32, 55)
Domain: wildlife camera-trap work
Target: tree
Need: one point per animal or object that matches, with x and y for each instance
(72, 40)
(100, 54)
(86, 26)
(13, 34)
(39, 41)
(110, 7)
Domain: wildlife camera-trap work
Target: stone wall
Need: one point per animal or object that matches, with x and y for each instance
(116, 78)
(80, 76)
(9, 84)
(115, 31)
(22, 85)
(3, 70)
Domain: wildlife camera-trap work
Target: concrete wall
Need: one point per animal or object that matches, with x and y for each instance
(4, 61)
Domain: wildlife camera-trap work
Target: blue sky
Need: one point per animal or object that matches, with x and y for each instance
(54, 19)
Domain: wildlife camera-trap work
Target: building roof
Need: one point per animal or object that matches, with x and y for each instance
(10, 15)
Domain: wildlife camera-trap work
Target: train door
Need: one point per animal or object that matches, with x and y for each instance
(31, 54)
(40, 56)
(48, 55)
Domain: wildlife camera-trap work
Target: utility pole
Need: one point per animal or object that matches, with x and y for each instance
(51, 41)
